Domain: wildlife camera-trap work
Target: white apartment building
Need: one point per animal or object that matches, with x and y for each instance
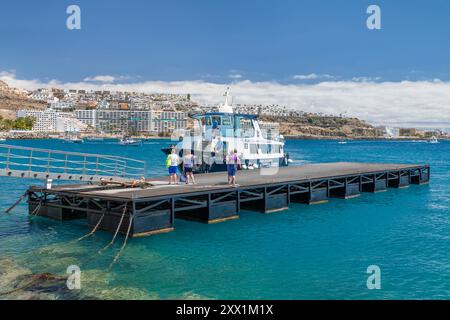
(52, 121)
(44, 95)
(140, 104)
(123, 120)
(168, 121)
(61, 105)
(151, 121)
(88, 117)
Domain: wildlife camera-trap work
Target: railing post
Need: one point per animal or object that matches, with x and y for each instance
(65, 163)
(48, 162)
(84, 165)
(30, 162)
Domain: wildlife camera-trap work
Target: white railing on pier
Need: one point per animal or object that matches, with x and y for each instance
(25, 162)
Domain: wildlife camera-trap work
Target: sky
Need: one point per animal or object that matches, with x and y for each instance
(315, 55)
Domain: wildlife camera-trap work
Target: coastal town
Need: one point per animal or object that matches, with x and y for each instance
(55, 112)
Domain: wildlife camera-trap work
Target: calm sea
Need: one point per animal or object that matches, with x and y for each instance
(306, 252)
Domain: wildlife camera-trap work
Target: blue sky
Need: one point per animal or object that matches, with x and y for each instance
(219, 41)
(312, 55)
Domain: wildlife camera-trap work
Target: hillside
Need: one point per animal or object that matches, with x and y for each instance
(12, 99)
(314, 126)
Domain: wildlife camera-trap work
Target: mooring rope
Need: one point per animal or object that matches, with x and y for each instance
(16, 203)
(95, 228)
(117, 231)
(34, 279)
(124, 242)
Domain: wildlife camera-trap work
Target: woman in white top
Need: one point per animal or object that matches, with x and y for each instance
(188, 165)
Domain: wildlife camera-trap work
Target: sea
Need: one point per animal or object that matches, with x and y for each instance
(324, 251)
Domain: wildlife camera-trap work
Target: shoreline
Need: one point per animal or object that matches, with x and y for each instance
(334, 138)
(46, 136)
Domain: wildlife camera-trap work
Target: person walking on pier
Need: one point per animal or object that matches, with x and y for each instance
(232, 163)
(188, 165)
(172, 162)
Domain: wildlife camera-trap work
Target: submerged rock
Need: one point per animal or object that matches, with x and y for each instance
(19, 283)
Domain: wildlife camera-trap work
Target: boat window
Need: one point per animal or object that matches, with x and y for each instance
(264, 148)
(253, 148)
(226, 120)
(276, 148)
(216, 120)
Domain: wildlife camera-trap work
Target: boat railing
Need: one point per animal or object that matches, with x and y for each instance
(26, 162)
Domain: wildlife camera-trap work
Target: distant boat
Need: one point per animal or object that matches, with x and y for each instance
(127, 141)
(73, 140)
(433, 139)
(2, 139)
(342, 142)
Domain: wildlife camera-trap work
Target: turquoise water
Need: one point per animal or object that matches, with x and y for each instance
(306, 252)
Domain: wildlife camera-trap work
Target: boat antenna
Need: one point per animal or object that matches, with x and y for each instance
(226, 108)
(226, 95)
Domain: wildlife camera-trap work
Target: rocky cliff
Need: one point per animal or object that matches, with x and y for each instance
(12, 99)
(316, 126)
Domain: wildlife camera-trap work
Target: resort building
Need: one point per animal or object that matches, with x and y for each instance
(52, 121)
(88, 117)
(168, 121)
(130, 121)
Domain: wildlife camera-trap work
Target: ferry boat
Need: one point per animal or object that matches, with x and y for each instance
(215, 134)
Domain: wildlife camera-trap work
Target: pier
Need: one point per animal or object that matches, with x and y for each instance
(154, 209)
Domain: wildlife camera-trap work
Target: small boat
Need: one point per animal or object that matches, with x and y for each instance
(73, 140)
(342, 142)
(2, 139)
(433, 139)
(127, 141)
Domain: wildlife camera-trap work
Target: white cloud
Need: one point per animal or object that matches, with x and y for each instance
(312, 76)
(418, 103)
(100, 78)
(366, 79)
(235, 76)
(106, 78)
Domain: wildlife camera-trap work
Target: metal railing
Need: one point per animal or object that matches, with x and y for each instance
(28, 162)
